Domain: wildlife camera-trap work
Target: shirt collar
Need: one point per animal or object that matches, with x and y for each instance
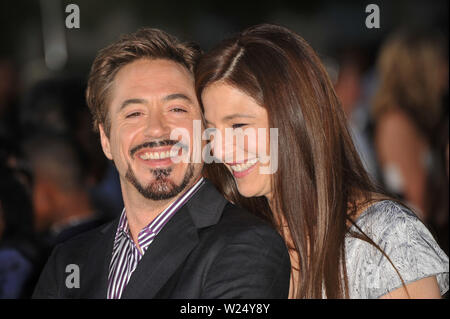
(157, 224)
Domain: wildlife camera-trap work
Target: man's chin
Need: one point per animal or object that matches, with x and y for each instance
(157, 189)
(160, 190)
(162, 185)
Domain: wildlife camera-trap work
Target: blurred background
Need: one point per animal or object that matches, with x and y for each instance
(55, 181)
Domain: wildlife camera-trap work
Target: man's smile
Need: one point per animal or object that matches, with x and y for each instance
(157, 157)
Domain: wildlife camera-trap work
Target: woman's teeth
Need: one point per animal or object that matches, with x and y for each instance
(244, 166)
(158, 155)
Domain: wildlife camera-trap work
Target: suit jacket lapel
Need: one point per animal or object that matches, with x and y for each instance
(163, 257)
(174, 242)
(95, 284)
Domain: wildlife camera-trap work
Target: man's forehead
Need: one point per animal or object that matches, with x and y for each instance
(156, 80)
(155, 70)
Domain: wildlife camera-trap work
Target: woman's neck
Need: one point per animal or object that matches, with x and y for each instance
(282, 225)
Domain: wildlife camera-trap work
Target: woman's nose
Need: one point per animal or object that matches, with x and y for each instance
(222, 149)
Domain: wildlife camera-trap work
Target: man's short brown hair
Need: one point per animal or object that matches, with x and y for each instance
(145, 43)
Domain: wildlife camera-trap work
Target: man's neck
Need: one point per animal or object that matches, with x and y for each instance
(142, 211)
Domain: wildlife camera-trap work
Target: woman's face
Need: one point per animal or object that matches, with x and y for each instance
(236, 117)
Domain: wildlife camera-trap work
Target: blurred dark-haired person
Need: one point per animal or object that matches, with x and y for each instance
(9, 92)
(408, 108)
(61, 202)
(57, 106)
(19, 254)
(346, 238)
(177, 236)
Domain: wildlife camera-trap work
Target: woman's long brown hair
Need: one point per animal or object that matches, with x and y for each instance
(320, 182)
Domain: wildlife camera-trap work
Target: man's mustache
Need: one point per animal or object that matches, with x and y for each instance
(157, 144)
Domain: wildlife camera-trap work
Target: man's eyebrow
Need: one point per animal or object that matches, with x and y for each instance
(167, 98)
(176, 96)
(132, 101)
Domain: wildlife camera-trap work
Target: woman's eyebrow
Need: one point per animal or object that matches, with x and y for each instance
(237, 115)
(232, 117)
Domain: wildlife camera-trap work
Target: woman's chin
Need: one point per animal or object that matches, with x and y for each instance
(249, 190)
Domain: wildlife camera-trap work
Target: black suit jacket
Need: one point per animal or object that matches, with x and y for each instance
(209, 249)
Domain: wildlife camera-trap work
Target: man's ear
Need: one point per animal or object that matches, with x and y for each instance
(105, 142)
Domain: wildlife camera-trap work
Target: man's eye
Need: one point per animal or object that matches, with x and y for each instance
(178, 110)
(134, 114)
(238, 125)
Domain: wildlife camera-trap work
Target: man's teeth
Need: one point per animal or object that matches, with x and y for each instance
(158, 155)
(245, 166)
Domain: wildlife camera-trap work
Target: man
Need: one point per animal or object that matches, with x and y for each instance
(177, 236)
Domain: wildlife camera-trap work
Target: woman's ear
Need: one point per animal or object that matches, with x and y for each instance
(105, 142)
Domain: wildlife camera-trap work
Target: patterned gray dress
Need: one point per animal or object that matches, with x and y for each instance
(407, 242)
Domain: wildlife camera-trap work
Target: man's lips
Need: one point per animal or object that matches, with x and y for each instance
(155, 145)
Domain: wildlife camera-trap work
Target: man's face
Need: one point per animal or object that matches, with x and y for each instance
(149, 99)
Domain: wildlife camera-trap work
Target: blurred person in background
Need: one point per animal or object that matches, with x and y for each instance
(57, 107)
(439, 182)
(411, 115)
(61, 202)
(355, 87)
(8, 99)
(20, 259)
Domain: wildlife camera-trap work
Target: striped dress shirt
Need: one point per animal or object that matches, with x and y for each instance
(126, 255)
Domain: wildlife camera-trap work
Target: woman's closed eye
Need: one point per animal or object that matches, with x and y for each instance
(238, 125)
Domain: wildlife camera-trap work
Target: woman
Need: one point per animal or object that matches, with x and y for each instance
(345, 238)
(19, 253)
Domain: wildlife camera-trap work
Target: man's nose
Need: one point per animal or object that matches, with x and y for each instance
(156, 126)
